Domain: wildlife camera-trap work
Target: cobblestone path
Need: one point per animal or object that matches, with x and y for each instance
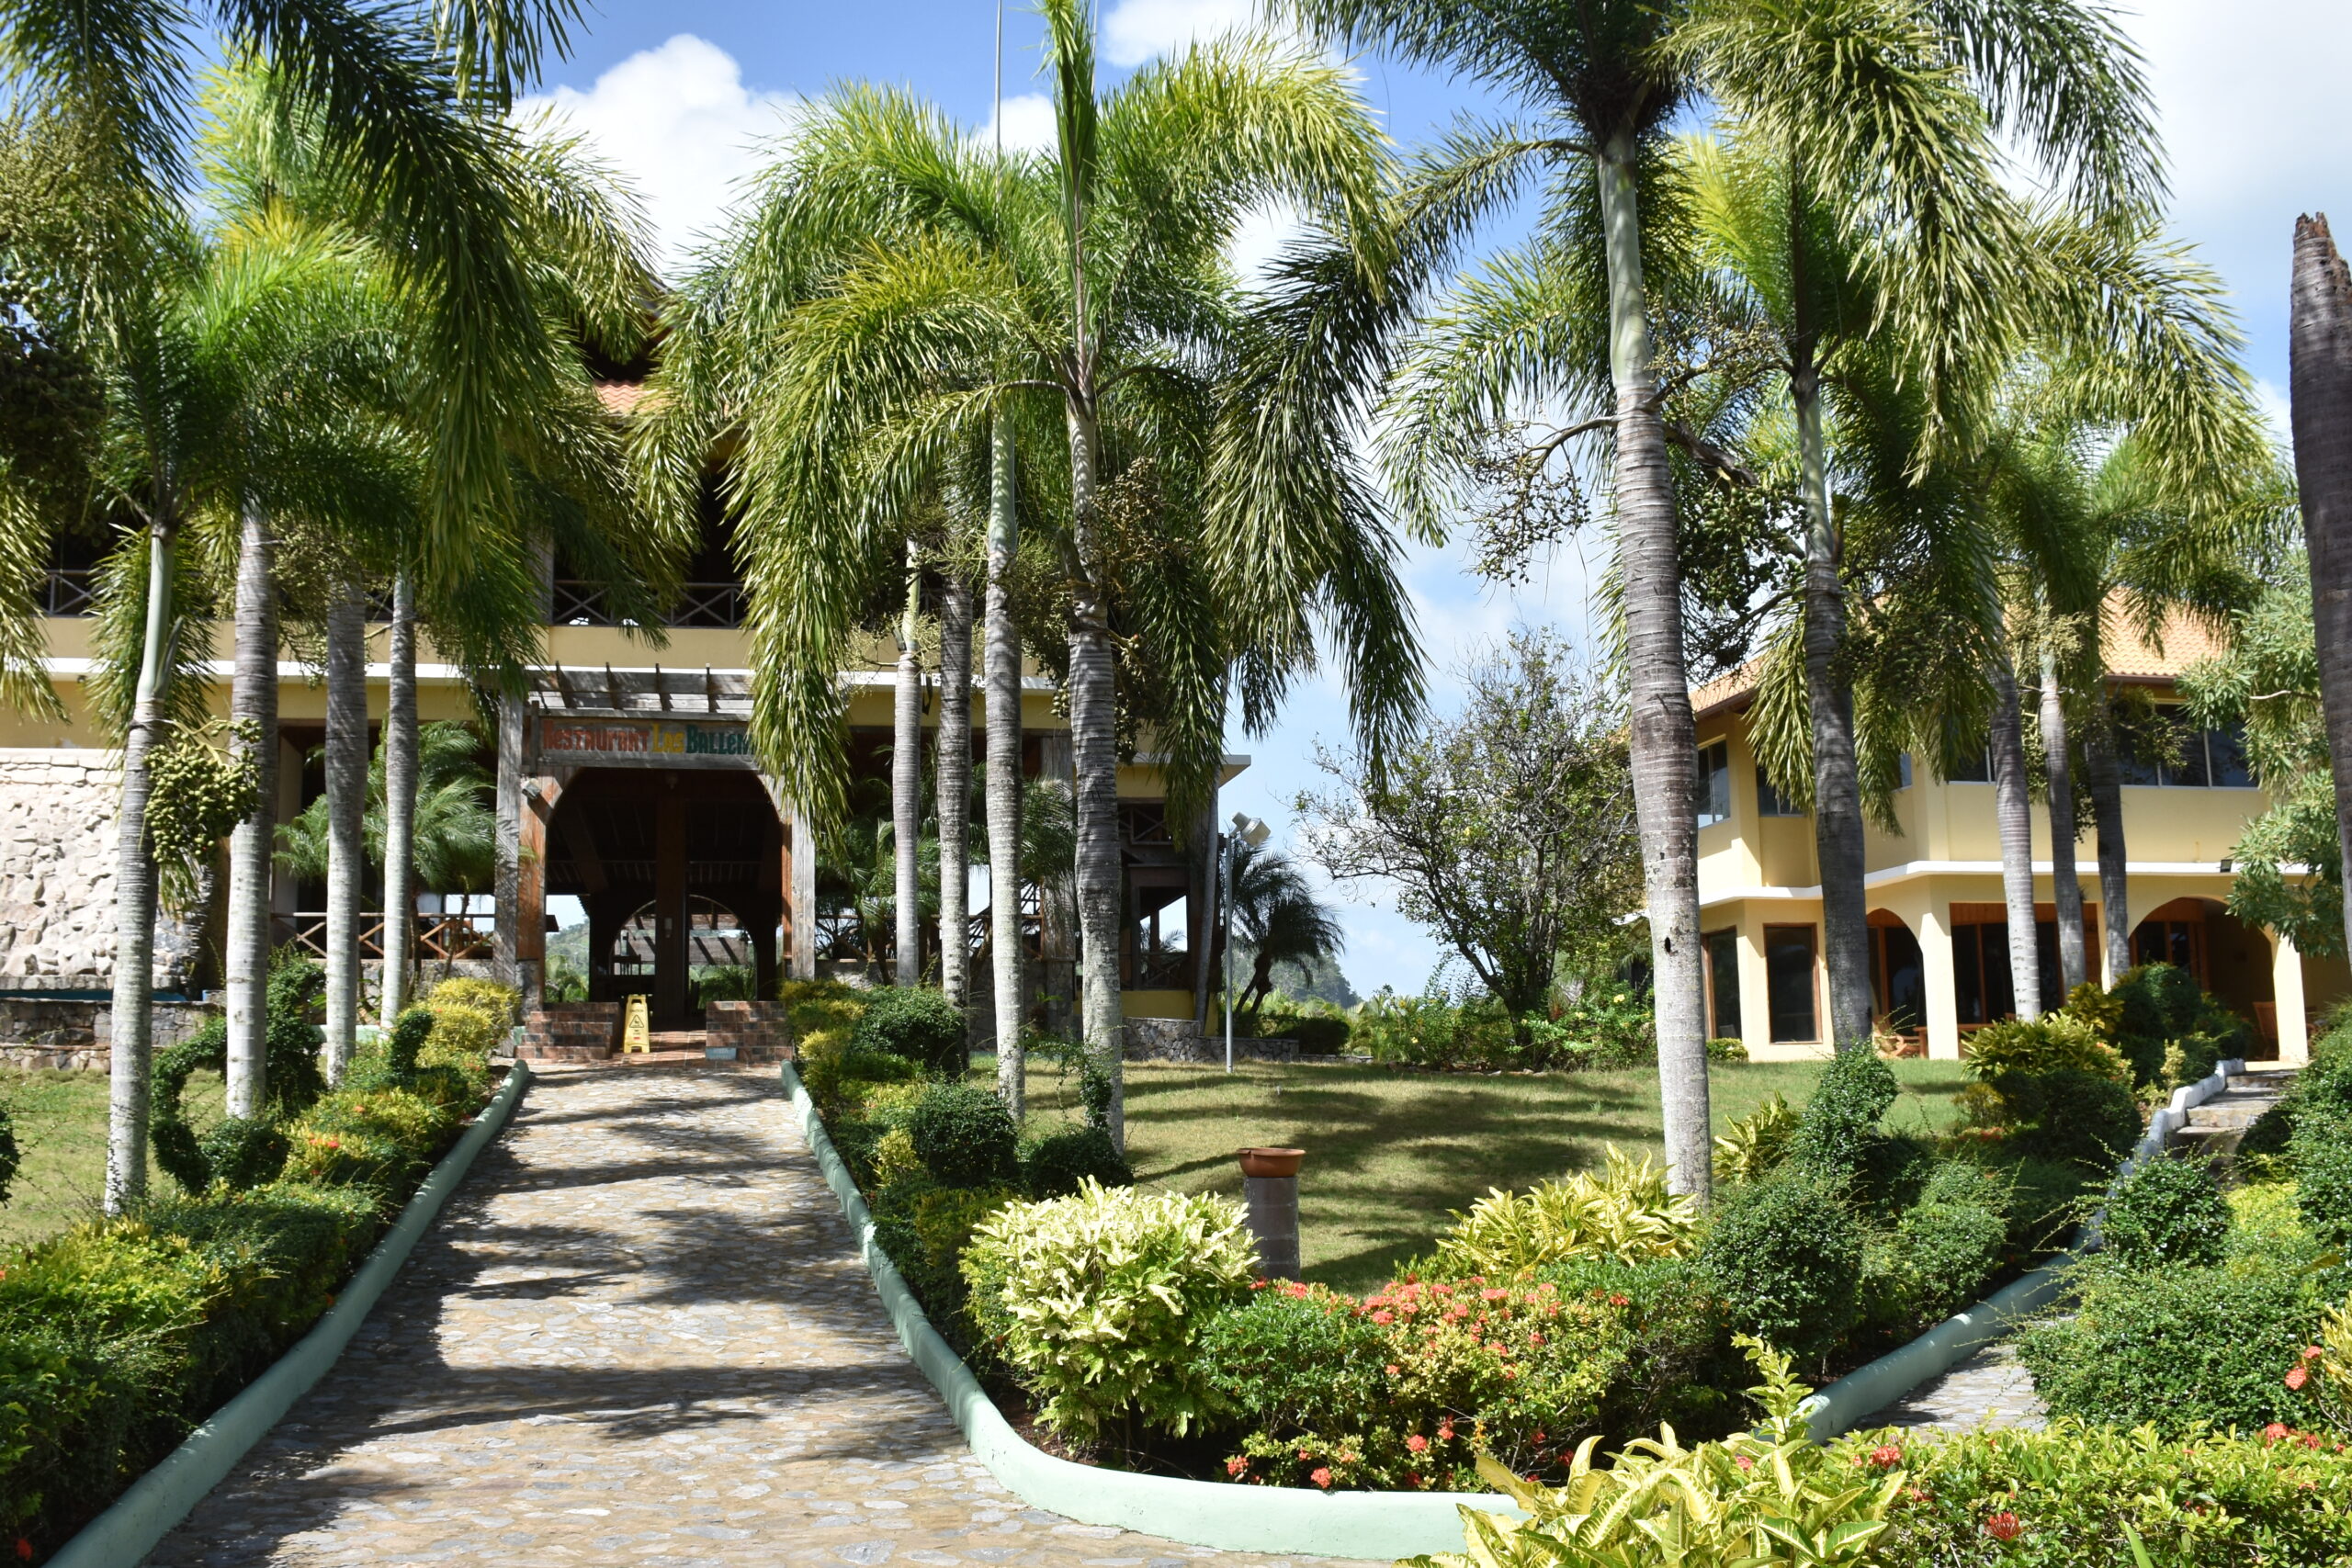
(1989, 1389)
(638, 1336)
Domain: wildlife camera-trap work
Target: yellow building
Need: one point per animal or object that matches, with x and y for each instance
(1939, 924)
(628, 773)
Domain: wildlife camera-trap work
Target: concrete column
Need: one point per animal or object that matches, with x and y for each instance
(2287, 993)
(1942, 992)
(1755, 985)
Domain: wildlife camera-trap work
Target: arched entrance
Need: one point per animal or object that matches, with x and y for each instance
(1898, 976)
(682, 873)
(2229, 958)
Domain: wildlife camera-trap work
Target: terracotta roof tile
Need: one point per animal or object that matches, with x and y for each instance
(620, 397)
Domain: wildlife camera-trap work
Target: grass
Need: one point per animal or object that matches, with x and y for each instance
(1389, 1153)
(61, 1127)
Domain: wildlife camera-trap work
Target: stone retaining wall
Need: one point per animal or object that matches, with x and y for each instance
(43, 1032)
(1175, 1039)
(56, 867)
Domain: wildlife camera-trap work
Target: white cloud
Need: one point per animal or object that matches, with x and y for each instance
(1028, 123)
(678, 122)
(1137, 29)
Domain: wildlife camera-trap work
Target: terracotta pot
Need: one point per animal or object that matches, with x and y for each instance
(1270, 1162)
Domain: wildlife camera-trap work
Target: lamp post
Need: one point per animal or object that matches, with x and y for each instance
(1247, 829)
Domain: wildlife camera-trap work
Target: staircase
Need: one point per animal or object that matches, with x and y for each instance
(2216, 1126)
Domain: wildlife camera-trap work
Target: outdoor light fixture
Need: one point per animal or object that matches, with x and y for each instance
(1247, 829)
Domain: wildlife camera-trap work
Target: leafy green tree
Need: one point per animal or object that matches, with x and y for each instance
(1510, 831)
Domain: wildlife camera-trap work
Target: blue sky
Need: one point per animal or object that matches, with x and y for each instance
(680, 95)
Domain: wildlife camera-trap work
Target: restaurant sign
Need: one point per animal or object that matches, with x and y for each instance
(663, 743)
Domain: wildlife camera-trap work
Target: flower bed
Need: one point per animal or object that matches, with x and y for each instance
(119, 1335)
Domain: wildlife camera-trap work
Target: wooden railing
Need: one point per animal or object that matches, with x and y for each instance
(440, 938)
(698, 605)
(69, 590)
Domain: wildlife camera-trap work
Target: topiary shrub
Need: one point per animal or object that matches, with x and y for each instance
(1059, 1166)
(2087, 1121)
(1838, 1127)
(1095, 1300)
(2321, 1157)
(1786, 1257)
(1947, 1248)
(12, 1158)
(965, 1136)
(244, 1152)
(917, 1024)
(462, 1035)
(296, 990)
(2166, 1212)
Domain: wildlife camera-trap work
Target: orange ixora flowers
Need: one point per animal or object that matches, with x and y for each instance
(2004, 1526)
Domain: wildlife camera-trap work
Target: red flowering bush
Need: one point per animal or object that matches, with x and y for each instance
(1401, 1389)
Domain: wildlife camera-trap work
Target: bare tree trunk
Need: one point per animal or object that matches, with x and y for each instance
(506, 873)
(1003, 719)
(954, 789)
(252, 701)
(2106, 810)
(400, 803)
(1836, 782)
(1093, 729)
(2065, 881)
(346, 807)
(1664, 739)
(2320, 382)
(2013, 812)
(132, 1026)
(906, 786)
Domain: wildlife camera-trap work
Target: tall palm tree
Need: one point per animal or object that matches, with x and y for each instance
(2320, 384)
(1001, 714)
(953, 789)
(905, 777)
(347, 796)
(1053, 292)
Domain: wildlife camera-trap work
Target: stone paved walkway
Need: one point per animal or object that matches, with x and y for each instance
(638, 1336)
(1987, 1391)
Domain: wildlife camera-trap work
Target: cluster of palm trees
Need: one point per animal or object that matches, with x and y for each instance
(315, 332)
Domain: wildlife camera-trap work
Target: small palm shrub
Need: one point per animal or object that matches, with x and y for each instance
(1095, 1300)
(1624, 1213)
(2168, 1211)
(916, 1023)
(965, 1136)
(1786, 1257)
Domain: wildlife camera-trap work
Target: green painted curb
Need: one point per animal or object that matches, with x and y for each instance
(1865, 1391)
(1199, 1513)
(159, 1500)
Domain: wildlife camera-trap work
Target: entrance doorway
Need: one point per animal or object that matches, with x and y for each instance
(682, 876)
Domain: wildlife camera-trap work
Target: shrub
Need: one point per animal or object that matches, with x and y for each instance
(1318, 1035)
(1095, 1300)
(2054, 1043)
(2166, 1211)
(1838, 1127)
(1726, 1050)
(1395, 1389)
(12, 1158)
(2173, 1346)
(965, 1136)
(1423, 1031)
(1600, 1030)
(462, 1035)
(1947, 1248)
(917, 1024)
(487, 997)
(379, 1138)
(2171, 1031)
(2091, 1496)
(295, 989)
(837, 1073)
(1752, 1147)
(1057, 1165)
(1625, 1213)
(2321, 1157)
(2326, 1368)
(2086, 1120)
(1786, 1258)
(1680, 1365)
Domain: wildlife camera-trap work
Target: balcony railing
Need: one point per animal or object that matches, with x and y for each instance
(69, 590)
(699, 605)
(440, 938)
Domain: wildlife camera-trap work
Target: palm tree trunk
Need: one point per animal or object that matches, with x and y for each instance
(905, 788)
(1003, 719)
(2065, 883)
(2320, 385)
(1093, 728)
(131, 1027)
(252, 701)
(2013, 811)
(1836, 784)
(2107, 811)
(399, 802)
(954, 788)
(346, 807)
(1664, 739)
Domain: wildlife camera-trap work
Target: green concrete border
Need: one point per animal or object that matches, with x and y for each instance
(1199, 1513)
(159, 1500)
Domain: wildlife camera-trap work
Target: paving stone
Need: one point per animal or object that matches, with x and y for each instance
(1988, 1391)
(638, 1333)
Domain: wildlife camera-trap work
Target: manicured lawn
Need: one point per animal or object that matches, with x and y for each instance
(1389, 1153)
(61, 1125)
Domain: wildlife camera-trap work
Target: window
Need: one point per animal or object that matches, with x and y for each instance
(1714, 784)
(1975, 769)
(1771, 802)
(2227, 748)
(1789, 981)
(1898, 977)
(1723, 983)
(2185, 769)
(1982, 989)
(2201, 758)
(1902, 770)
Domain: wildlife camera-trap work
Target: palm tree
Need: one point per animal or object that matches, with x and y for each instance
(953, 789)
(1832, 83)
(1278, 918)
(2320, 383)
(1047, 292)
(1001, 714)
(399, 800)
(906, 778)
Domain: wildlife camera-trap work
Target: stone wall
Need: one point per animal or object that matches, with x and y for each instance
(57, 868)
(1175, 1039)
(64, 1031)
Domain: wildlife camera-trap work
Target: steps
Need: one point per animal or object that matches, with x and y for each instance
(2216, 1126)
